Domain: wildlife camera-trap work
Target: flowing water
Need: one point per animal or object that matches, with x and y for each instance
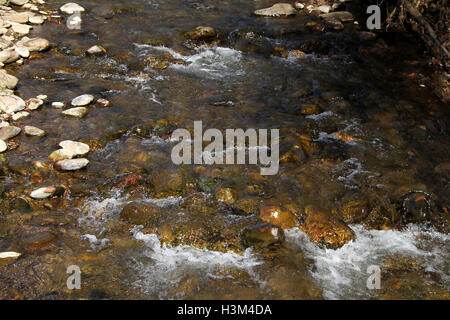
(373, 135)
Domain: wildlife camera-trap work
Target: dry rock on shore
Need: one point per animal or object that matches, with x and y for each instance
(278, 9)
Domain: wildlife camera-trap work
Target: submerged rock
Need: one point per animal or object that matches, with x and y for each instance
(262, 235)
(278, 216)
(278, 9)
(43, 193)
(34, 44)
(324, 230)
(72, 164)
(33, 131)
(201, 33)
(140, 214)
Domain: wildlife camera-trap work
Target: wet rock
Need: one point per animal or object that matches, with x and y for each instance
(43, 193)
(324, 230)
(34, 131)
(3, 146)
(416, 207)
(9, 132)
(278, 9)
(71, 8)
(82, 100)
(71, 164)
(208, 184)
(140, 214)
(21, 205)
(155, 63)
(34, 103)
(96, 51)
(8, 56)
(38, 240)
(61, 154)
(20, 115)
(34, 44)
(342, 16)
(11, 103)
(102, 103)
(227, 195)
(75, 148)
(278, 216)
(262, 235)
(201, 33)
(352, 211)
(7, 81)
(78, 112)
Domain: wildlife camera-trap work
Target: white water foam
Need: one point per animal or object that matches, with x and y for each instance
(165, 266)
(208, 62)
(342, 273)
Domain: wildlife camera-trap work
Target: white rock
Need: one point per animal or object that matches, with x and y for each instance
(299, 5)
(58, 105)
(42, 97)
(20, 28)
(42, 193)
(3, 146)
(82, 100)
(36, 19)
(11, 103)
(96, 50)
(324, 8)
(34, 44)
(78, 112)
(72, 164)
(33, 131)
(278, 9)
(9, 255)
(22, 51)
(4, 123)
(61, 154)
(71, 8)
(34, 103)
(76, 148)
(20, 115)
(8, 55)
(7, 81)
(18, 2)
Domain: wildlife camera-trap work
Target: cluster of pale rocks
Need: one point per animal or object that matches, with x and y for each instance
(335, 19)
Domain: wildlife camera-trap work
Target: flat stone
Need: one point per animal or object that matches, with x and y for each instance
(9, 132)
(78, 112)
(71, 8)
(72, 164)
(82, 100)
(20, 28)
(22, 51)
(36, 19)
(278, 9)
(8, 56)
(61, 154)
(58, 105)
(9, 255)
(11, 103)
(34, 44)
(343, 16)
(76, 148)
(96, 50)
(34, 131)
(43, 193)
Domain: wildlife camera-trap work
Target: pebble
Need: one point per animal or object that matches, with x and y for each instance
(9, 255)
(7, 81)
(82, 100)
(78, 112)
(42, 97)
(9, 132)
(33, 131)
(3, 146)
(71, 8)
(20, 28)
(58, 105)
(96, 50)
(43, 193)
(103, 103)
(324, 8)
(72, 164)
(36, 19)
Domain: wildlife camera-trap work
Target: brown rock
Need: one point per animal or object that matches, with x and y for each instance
(278, 216)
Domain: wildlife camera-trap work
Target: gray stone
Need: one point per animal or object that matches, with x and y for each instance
(78, 112)
(11, 103)
(9, 132)
(72, 164)
(278, 9)
(82, 100)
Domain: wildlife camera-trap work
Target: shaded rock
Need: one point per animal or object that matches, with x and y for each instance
(324, 230)
(278, 216)
(71, 164)
(21, 205)
(78, 112)
(416, 207)
(71, 8)
(38, 240)
(9, 132)
(262, 235)
(82, 100)
(11, 103)
(342, 16)
(33, 131)
(278, 9)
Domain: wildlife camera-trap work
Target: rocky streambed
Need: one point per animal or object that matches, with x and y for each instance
(91, 93)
